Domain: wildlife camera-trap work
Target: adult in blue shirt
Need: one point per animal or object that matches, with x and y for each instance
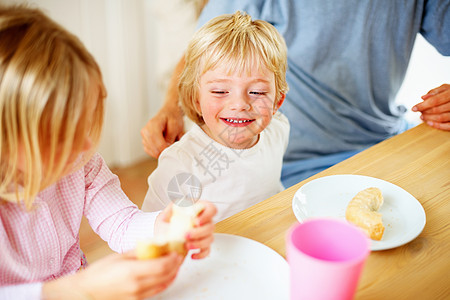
(347, 61)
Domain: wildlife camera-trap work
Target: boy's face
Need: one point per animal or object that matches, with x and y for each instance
(236, 107)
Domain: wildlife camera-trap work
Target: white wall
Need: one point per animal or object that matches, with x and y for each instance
(137, 44)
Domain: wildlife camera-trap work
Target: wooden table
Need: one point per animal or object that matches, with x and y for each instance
(418, 161)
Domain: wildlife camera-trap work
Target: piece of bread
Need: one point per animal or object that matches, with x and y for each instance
(362, 211)
(181, 221)
(148, 249)
(178, 247)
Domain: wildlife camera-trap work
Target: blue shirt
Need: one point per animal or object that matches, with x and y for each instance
(347, 60)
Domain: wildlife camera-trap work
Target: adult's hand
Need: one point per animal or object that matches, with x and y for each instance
(435, 108)
(118, 276)
(162, 130)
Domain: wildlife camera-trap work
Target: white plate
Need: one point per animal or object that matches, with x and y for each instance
(403, 216)
(237, 268)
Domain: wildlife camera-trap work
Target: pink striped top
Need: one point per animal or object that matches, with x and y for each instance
(44, 244)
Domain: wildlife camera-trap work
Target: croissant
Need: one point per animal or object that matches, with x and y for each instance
(362, 211)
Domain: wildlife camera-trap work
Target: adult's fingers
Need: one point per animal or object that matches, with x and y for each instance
(153, 138)
(436, 91)
(438, 110)
(174, 129)
(434, 98)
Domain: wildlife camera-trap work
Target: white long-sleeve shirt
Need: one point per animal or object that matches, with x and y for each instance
(232, 179)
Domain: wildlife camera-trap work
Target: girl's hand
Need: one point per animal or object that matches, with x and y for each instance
(118, 276)
(435, 107)
(201, 236)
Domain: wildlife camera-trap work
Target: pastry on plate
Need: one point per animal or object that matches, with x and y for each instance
(362, 211)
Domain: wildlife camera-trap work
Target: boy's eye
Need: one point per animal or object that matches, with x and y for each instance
(258, 93)
(219, 92)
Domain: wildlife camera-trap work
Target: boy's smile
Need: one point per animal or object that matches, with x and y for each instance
(237, 106)
(238, 122)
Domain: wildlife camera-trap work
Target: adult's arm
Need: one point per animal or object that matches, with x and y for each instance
(167, 125)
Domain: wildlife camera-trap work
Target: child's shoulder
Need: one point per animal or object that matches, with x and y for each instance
(277, 133)
(279, 124)
(281, 118)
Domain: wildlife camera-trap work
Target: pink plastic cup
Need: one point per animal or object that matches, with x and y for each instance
(326, 257)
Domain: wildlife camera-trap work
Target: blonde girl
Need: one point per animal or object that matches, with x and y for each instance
(51, 116)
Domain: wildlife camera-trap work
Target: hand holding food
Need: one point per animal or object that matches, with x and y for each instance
(151, 248)
(363, 212)
(117, 276)
(189, 227)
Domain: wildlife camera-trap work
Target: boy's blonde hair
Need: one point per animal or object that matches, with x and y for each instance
(235, 40)
(47, 84)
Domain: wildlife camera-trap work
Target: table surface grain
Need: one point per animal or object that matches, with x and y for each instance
(418, 161)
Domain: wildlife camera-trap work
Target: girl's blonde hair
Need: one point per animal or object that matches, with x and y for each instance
(48, 83)
(235, 40)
